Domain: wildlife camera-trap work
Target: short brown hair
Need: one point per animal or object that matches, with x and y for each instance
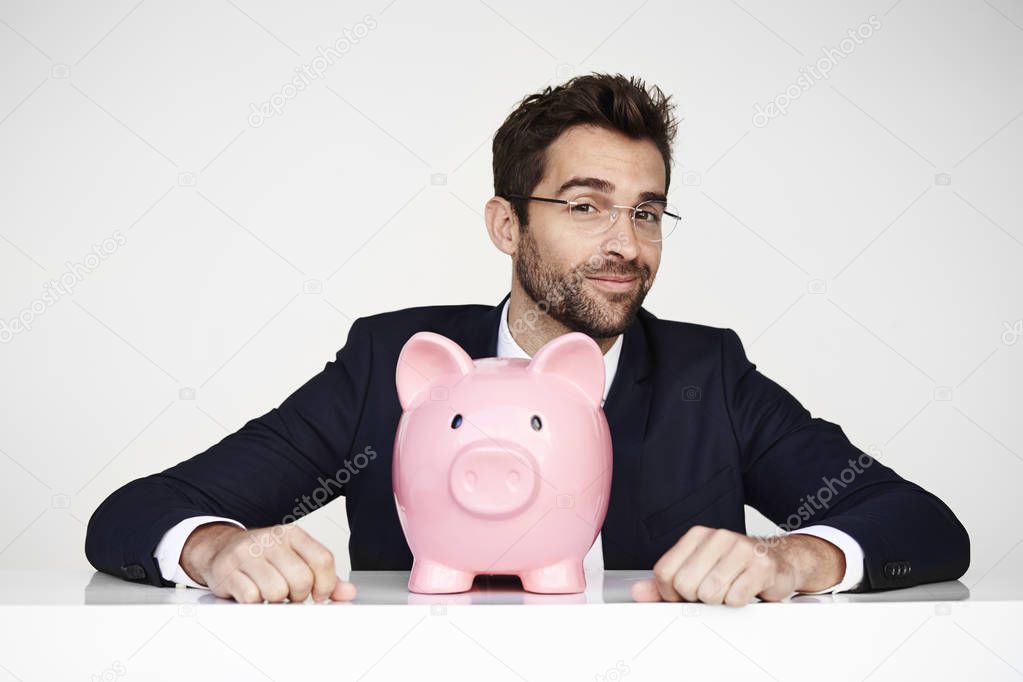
(615, 102)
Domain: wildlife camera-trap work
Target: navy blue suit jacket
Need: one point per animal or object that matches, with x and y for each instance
(697, 432)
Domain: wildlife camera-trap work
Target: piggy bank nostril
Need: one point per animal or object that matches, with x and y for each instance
(513, 479)
(470, 480)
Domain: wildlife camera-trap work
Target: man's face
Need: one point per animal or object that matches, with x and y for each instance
(562, 269)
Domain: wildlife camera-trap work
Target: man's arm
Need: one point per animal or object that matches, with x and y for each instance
(252, 476)
(799, 471)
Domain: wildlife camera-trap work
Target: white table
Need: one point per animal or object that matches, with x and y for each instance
(64, 625)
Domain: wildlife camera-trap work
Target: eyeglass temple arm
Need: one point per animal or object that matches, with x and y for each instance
(553, 201)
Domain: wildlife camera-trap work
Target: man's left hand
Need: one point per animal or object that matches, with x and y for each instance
(715, 566)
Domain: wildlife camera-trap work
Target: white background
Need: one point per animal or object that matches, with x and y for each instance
(880, 294)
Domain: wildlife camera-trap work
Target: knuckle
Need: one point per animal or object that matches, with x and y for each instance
(685, 587)
(744, 551)
(662, 574)
(322, 558)
(709, 588)
(323, 589)
(248, 594)
(243, 550)
(302, 585)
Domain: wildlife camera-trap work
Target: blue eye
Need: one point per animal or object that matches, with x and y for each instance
(535, 422)
(457, 421)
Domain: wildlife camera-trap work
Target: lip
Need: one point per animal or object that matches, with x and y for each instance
(614, 283)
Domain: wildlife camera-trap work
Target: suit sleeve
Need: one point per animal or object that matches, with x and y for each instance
(253, 475)
(800, 470)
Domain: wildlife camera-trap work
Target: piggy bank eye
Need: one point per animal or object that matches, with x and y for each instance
(535, 422)
(457, 421)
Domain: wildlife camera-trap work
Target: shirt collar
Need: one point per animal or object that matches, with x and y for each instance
(507, 347)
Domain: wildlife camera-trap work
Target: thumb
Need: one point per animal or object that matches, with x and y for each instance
(343, 591)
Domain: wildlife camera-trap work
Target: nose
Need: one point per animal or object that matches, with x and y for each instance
(493, 480)
(621, 239)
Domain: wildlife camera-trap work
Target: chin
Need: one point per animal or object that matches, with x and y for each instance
(611, 318)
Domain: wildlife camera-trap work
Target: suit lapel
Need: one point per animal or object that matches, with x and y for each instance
(627, 409)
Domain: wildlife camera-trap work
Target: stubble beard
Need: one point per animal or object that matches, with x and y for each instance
(570, 299)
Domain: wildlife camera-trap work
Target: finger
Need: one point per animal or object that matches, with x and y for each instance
(240, 587)
(295, 570)
(320, 560)
(645, 591)
(667, 566)
(343, 590)
(272, 585)
(716, 583)
(698, 564)
(745, 587)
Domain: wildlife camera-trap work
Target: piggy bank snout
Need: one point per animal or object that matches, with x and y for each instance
(493, 480)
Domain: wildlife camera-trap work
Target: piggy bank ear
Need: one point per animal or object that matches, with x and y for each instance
(424, 358)
(576, 357)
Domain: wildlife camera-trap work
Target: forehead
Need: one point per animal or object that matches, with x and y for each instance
(592, 151)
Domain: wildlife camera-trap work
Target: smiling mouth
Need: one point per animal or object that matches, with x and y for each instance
(613, 283)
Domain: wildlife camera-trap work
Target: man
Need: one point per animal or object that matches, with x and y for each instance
(581, 175)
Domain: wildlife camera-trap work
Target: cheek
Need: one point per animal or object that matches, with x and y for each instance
(562, 252)
(652, 258)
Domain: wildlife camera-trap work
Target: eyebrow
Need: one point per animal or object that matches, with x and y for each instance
(605, 186)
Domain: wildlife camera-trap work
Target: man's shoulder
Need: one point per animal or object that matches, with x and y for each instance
(424, 317)
(662, 331)
(676, 345)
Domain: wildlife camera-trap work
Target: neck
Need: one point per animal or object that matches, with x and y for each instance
(532, 328)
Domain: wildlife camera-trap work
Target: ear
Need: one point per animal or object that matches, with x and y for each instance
(502, 224)
(425, 358)
(576, 357)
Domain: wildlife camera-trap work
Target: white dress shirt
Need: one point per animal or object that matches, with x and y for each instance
(168, 551)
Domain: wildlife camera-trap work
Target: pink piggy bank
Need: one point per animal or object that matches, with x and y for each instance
(501, 465)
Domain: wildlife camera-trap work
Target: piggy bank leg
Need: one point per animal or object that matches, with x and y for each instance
(565, 577)
(430, 577)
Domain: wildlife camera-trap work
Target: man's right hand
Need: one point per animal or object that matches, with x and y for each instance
(262, 564)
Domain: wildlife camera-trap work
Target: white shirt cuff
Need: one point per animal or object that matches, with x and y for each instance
(168, 551)
(850, 548)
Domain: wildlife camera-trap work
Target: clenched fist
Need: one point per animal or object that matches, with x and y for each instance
(720, 566)
(263, 564)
